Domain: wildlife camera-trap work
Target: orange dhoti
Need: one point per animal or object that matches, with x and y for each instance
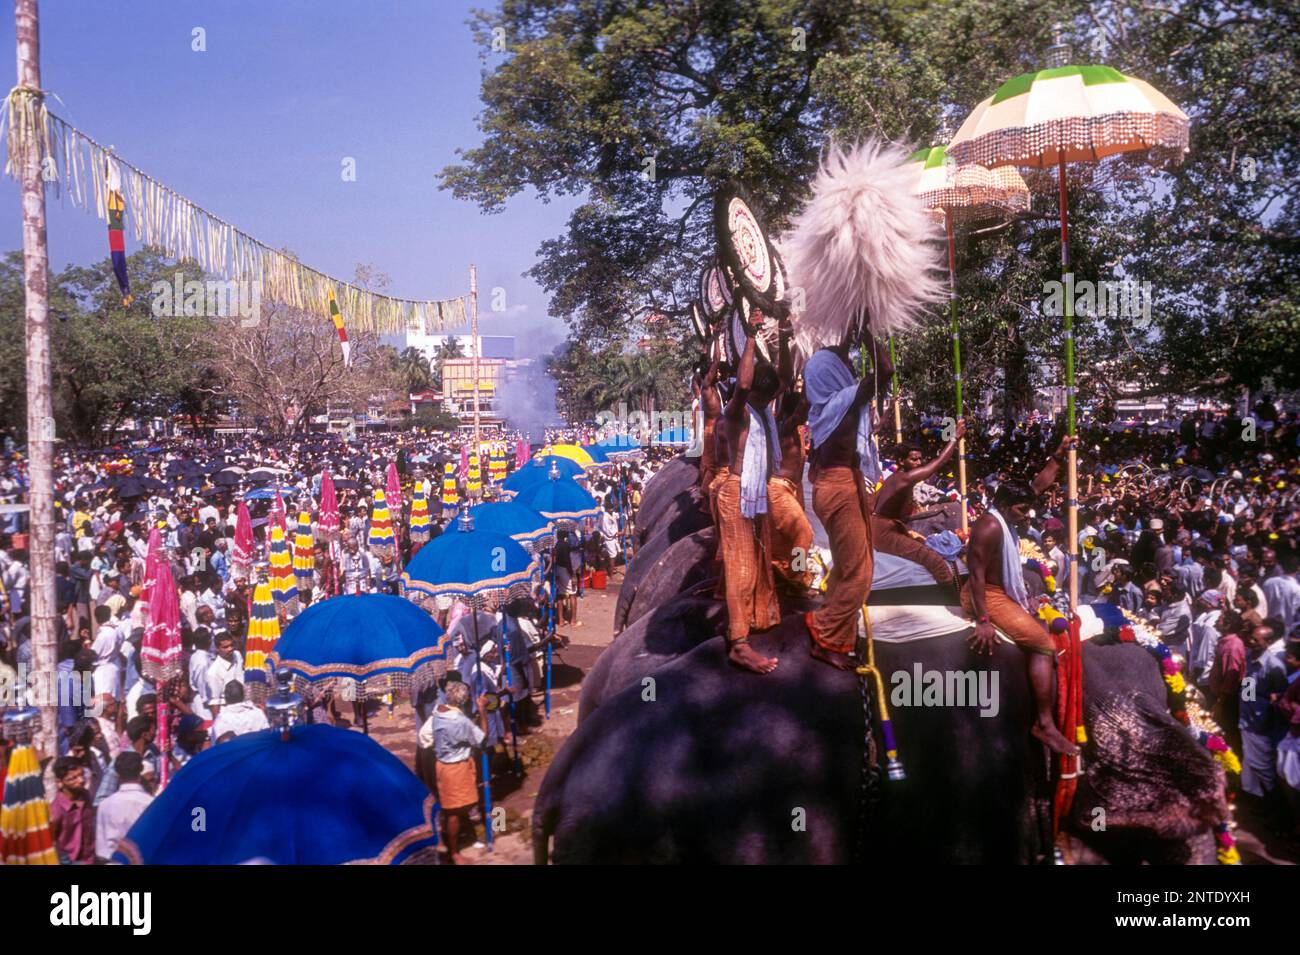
(745, 547)
(792, 535)
(890, 536)
(1012, 619)
(842, 505)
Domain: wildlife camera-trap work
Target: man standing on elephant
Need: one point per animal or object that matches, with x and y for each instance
(995, 593)
(894, 504)
(845, 470)
(792, 534)
(740, 506)
(711, 409)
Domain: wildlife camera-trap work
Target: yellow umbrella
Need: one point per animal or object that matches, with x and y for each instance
(1070, 114)
(574, 453)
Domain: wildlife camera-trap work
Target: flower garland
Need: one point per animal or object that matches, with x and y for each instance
(1190, 713)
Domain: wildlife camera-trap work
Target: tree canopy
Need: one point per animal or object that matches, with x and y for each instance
(642, 109)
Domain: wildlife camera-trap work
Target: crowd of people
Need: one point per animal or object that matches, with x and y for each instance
(109, 763)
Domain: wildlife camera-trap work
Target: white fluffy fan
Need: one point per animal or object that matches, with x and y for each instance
(862, 243)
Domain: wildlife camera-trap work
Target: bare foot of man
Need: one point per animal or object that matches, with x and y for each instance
(841, 661)
(1051, 737)
(746, 657)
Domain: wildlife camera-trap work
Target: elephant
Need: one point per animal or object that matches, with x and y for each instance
(704, 763)
(656, 638)
(684, 564)
(680, 475)
(641, 564)
(680, 757)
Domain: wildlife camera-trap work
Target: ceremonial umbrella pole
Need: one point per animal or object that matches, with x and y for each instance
(481, 568)
(535, 533)
(473, 335)
(898, 408)
(160, 657)
(1069, 114)
(562, 501)
(970, 192)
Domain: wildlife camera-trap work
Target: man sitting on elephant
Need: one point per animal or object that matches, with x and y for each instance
(894, 504)
(995, 593)
(740, 506)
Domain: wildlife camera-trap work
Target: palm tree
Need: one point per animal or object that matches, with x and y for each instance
(413, 370)
(450, 348)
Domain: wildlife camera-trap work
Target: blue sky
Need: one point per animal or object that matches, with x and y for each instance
(256, 129)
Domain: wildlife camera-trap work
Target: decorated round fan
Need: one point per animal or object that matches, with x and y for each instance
(780, 286)
(743, 246)
(699, 323)
(715, 292)
(736, 336)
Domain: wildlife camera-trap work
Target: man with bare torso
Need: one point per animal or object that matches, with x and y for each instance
(844, 474)
(995, 594)
(711, 408)
(894, 504)
(792, 534)
(740, 506)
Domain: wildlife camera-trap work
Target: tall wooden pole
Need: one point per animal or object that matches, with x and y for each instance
(473, 335)
(40, 411)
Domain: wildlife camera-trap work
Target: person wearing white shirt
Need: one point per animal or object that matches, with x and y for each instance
(1283, 595)
(198, 673)
(108, 653)
(189, 606)
(226, 666)
(238, 715)
(118, 813)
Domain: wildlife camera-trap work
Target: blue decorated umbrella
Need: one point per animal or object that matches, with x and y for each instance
(538, 470)
(598, 454)
(312, 795)
(620, 447)
(483, 568)
(514, 520)
(559, 499)
(378, 643)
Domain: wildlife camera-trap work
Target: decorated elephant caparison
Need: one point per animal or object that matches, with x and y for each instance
(680, 757)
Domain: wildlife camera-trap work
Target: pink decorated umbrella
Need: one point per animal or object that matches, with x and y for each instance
(279, 514)
(152, 558)
(464, 462)
(521, 454)
(241, 555)
(393, 489)
(160, 654)
(328, 522)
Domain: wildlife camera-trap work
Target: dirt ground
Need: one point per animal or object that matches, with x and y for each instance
(396, 730)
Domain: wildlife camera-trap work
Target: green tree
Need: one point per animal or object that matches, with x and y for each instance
(414, 370)
(641, 109)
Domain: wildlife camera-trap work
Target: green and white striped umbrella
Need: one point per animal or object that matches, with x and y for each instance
(1070, 113)
(969, 191)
